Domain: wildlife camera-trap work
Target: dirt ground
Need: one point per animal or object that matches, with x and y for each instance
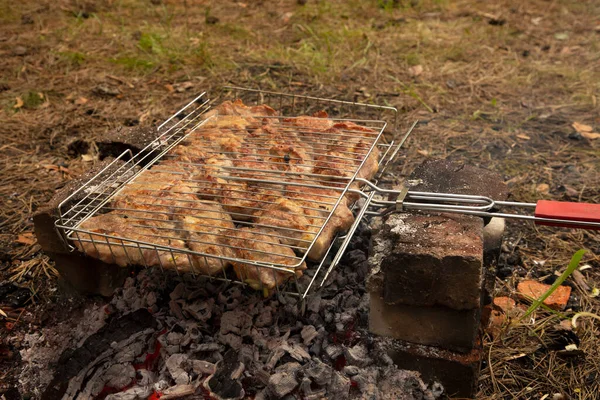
(495, 84)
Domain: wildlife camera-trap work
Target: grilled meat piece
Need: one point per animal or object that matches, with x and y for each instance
(217, 141)
(244, 199)
(204, 226)
(238, 108)
(123, 251)
(254, 244)
(298, 222)
(318, 121)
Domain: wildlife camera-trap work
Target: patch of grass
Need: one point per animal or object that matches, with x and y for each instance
(133, 63)
(412, 59)
(74, 58)
(151, 43)
(32, 99)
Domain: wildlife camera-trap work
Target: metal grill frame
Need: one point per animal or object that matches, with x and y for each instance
(101, 189)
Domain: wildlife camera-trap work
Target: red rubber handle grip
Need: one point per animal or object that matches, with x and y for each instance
(582, 212)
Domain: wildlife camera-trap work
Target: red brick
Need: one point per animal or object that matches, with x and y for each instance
(532, 289)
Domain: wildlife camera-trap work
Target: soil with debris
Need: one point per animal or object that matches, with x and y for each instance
(508, 86)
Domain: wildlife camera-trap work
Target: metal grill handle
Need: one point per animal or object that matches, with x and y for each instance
(546, 212)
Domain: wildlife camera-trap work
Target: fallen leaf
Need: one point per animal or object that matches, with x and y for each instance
(51, 167)
(423, 152)
(3, 313)
(19, 102)
(595, 292)
(561, 36)
(542, 188)
(581, 127)
(287, 16)
(26, 238)
(183, 86)
(415, 70)
(87, 158)
(590, 135)
(170, 88)
(524, 137)
(81, 101)
(536, 21)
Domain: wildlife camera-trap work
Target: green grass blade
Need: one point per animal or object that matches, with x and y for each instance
(572, 267)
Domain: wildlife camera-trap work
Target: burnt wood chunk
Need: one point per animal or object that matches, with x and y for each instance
(71, 362)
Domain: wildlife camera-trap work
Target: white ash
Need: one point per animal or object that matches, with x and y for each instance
(280, 349)
(42, 350)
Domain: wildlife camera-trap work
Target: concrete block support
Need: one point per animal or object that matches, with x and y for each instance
(431, 274)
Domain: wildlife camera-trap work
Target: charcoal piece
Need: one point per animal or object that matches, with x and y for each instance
(284, 381)
(354, 257)
(309, 333)
(176, 310)
(313, 303)
(318, 371)
(231, 339)
(178, 292)
(351, 370)
(246, 354)
(220, 383)
(174, 338)
(202, 367)
(176, 365)
(265, 318)
(357, 355)
(119, 375)
(333, 351)
(237, 322)
(208, 347)
(200, 310)
(339, 386)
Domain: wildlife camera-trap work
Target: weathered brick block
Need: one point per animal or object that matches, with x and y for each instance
(441, 326)
(457, 372)
(435, 260)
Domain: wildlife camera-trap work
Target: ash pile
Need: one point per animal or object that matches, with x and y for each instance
(167, 337)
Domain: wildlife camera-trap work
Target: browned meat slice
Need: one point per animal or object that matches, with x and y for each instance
(318, 121)
(188, 152)
(298, 221)
(215, 141)
(244, 199)
(127, 252)
(227, 121)
(205, 225)
(253, 244)
(238, 108)
(294, 225)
